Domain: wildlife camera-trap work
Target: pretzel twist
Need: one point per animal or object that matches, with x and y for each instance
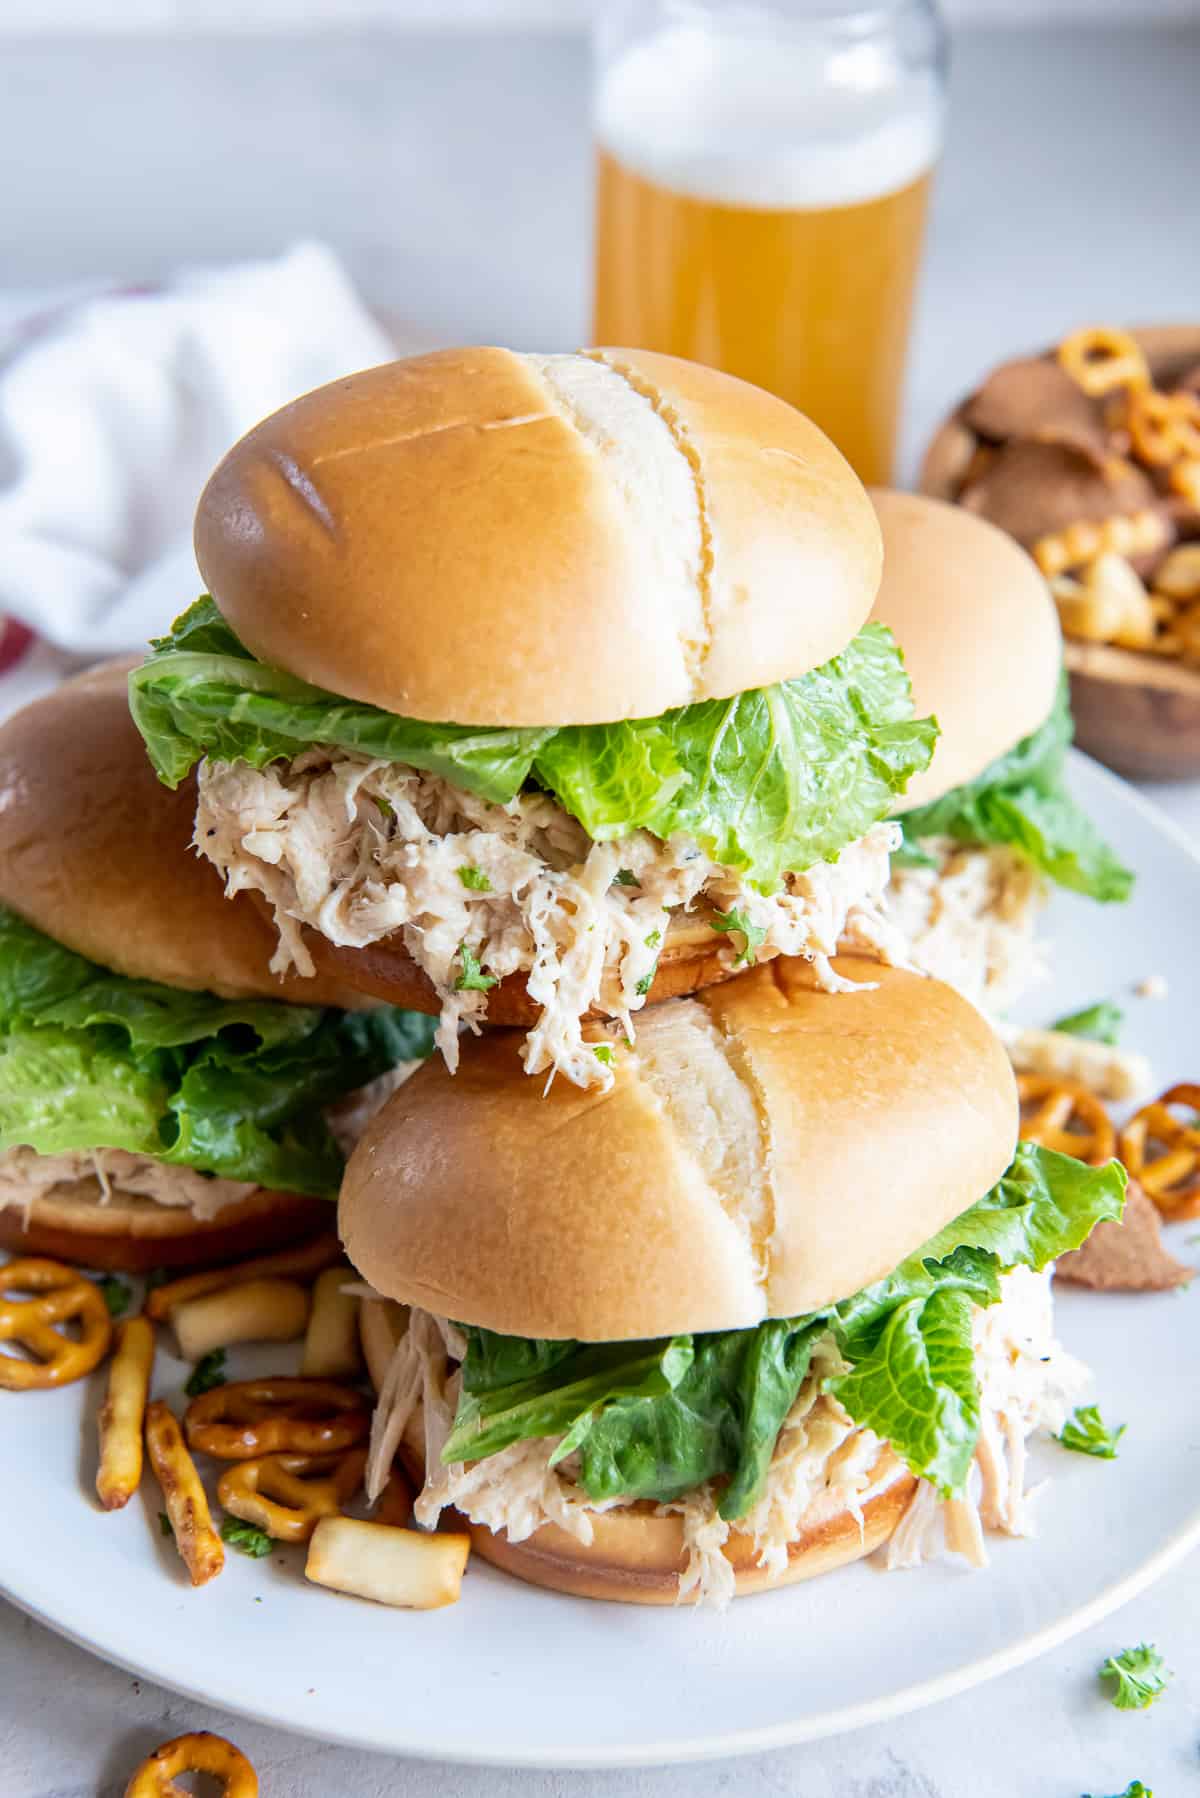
(62, 1298)
(1063, 1114)
(1101, 359)
(1162, 1151)
(201, 1752)
(249, 1418)
(287, 1495)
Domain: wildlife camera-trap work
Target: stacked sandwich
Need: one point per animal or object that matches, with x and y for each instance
(540, 693)
(165, 1101)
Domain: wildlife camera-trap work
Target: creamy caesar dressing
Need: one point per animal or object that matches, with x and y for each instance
(823, 1463)
(361, 850)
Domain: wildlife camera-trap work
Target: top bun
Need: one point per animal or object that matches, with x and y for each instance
(482, 537)
(766, 1149)
(97, 854)
(979, 631)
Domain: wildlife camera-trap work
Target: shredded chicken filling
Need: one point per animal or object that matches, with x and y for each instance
(361, 850)
(26, 1176)
(969, 920)
(823, 1463)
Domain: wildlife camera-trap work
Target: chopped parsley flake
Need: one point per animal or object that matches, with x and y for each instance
(1088, 1434)
(208, 1372)
(247, 1538)
(472, 979)
(1138, 1676)
(752, 935)
(475, 879)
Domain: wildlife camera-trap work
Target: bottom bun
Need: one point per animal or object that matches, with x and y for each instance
(691, 959)
(636, 1555)
(131, 1234)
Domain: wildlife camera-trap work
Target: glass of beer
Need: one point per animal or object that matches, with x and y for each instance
(762, 176)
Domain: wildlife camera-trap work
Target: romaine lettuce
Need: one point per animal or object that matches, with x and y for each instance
(1022, 799)
(654, 1420)
(92, 1060)
(767, 781)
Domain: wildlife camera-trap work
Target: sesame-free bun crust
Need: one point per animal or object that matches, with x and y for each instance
(132, 1234)
(636, 1556)
(766, 1149)
(978, 629)
(693, 956)
(96, 853)
(482, 537)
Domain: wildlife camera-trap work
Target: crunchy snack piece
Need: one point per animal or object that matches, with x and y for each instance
(249, 1418)
(258, 1311)
(1163, 427)
(1100, 359)
(1109, 604)
(287, 1495)
(1178, 574)
(184, 1496)
(1126, 1257)
(1107, 1071)
(55, 1299)
(1162, 1151)
(1034, 397)
(201, 1752)
(331, 1347)
(304, 1262)
(1134, 534)
(1034, 490)
(1062, 1114)
(123, 1414)
(411, 1568)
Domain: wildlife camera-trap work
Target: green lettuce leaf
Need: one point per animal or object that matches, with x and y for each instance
(91, 1060)
(1022, 800)
(770, 780)
(654, 1420)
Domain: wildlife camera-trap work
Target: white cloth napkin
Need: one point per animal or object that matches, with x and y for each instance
(115, 412)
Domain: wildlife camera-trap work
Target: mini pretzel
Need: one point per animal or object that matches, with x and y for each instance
(37, 1324)
(1062, 1114)
(1132, 534)
(287, 1495)
(199, 1753)
(1184, 479)
(1178, 575)
(249, 1418)
(1110, 605)
(1100, 359)
(1163, 427)
(1162, 1152)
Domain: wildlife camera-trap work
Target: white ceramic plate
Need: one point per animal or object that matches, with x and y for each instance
(514, 1676)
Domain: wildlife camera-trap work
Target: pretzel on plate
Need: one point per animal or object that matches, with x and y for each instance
(287, 1495)
(303, 1262)
(187, 1503)
(1162, 1151)
(248, 1418)
(1062, 1114)
(201, 1752)
(57, 1297)
(123, 1414)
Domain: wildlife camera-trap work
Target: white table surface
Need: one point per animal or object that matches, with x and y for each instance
(453, 175)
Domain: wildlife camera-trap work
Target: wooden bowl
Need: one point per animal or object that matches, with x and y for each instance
(1138, 713)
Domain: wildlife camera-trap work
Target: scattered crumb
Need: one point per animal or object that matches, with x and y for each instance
(1154, 986)
(1126, 1257)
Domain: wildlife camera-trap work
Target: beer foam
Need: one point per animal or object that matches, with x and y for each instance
(785, 121)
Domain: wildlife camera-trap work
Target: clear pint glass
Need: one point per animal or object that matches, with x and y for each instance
(763, 172)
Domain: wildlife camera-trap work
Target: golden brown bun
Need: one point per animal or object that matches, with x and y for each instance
(489, 538)
(637, 1557)
(96, 853)
(693, 957)
(132, 1234)
(979, 632)
(765, 1150)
